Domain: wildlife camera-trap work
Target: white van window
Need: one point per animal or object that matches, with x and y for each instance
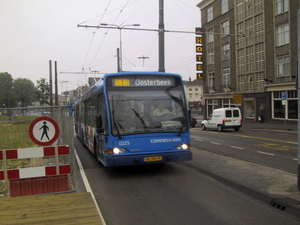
(236, 113)
(228, 113)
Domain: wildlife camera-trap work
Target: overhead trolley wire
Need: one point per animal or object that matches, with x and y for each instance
(94, 35)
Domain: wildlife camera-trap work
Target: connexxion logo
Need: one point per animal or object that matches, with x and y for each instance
(164, 140)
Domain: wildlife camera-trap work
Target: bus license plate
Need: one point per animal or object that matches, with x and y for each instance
(153, 158)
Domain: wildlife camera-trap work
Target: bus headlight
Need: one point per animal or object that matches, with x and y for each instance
(118, 150)
(183, 146)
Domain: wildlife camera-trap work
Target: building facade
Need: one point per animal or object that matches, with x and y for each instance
(250, 57)
(194, 95)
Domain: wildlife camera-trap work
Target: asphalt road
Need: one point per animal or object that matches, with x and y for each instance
(277, 149)
(173, 193)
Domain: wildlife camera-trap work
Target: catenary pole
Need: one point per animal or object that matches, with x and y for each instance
(118, 60)
(298, 86)
(161, 38)
(56, 88)
(50, 81)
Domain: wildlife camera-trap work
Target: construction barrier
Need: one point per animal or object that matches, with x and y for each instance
(26, 167)
(37, 179)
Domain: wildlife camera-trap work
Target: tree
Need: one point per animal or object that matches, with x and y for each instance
(25, 91)
(7, 96)
(43, 91)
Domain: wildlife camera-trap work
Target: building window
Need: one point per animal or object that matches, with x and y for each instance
(260, 56)
(250, 63)
(211, 105)
(226, 52)
(259, 33)
(210, 14)
(211, 79)
(259, 81)
(283, 66)
(241, 60)
(282, 6)
(224, 6)
(210, 34)
(210, 57)
(226, 77)
(249, 105)
(283, 35)
(288, 110)
(250, 82)
(241, 82)
(225, 27)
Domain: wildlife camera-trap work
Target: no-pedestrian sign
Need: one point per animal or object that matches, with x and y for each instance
(44, 131)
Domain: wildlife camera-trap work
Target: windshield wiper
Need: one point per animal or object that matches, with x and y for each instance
(141, 119)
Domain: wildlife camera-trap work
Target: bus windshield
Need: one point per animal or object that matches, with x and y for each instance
(149, 110)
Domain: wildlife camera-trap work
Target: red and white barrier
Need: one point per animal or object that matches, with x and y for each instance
(41, 171)
(31, 172)
(25, 153)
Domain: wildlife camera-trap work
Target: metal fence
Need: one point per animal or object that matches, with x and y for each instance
(14, 135)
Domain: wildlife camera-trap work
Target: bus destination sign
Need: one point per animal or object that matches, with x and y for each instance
(143, 82)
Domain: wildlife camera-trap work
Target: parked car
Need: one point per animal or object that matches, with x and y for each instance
(223, 118)
(193, 121)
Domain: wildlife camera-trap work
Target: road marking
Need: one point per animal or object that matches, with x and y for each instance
(252, 137)
(236, 147)
(265, 153)
(87, 185)
(215, 143)
(198, 140)
(282, 134)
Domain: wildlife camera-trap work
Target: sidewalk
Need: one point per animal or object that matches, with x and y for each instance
(271, 126)
(275, 187)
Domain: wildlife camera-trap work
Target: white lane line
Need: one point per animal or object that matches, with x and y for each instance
(87, 185)
(265, 153)
(282, 134)
(198, 140)
(215, 143)
(295, 159)
(236, 147)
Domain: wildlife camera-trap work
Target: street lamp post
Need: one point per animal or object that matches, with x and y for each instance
(120, 28)
(143, 57)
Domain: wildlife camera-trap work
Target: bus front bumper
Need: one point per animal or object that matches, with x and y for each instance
(144, 159)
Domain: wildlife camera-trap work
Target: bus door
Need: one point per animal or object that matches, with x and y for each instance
(101, 136)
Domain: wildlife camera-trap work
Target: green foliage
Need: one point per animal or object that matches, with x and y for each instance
(43, 91)
(25, 91)
(7, 96)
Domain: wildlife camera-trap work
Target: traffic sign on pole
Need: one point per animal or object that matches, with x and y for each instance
(44, 131)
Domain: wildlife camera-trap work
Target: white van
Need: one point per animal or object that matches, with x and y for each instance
(223, 118)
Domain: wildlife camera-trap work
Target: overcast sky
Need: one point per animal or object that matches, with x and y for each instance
(36, 31)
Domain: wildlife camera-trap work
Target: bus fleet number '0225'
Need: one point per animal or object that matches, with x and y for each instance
(122, 143)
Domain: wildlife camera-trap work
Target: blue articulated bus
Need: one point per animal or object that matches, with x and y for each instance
(135, 118)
